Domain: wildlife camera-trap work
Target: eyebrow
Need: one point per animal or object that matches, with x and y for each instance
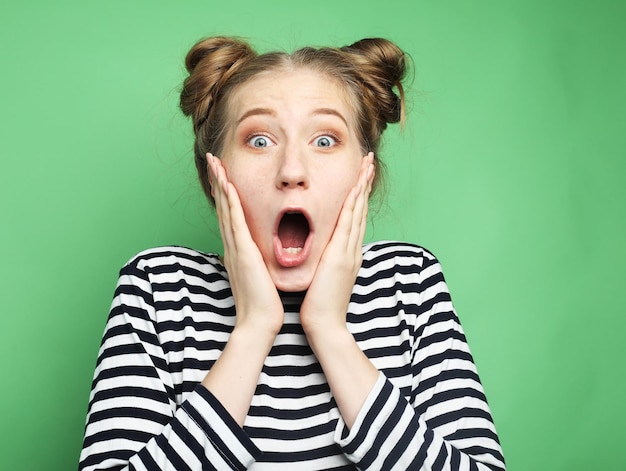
(256, 111)
(332, 112)
(270, 112)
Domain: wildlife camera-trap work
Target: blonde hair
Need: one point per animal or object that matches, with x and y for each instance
(370, 70)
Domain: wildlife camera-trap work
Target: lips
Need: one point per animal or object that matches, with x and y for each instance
(292, 237)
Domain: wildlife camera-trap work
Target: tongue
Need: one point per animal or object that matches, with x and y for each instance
(293, 230)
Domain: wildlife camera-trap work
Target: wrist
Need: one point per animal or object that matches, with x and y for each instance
(318, 322)
(250, 338)
(329, 338)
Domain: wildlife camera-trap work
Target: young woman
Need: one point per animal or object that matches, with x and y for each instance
(300, 348)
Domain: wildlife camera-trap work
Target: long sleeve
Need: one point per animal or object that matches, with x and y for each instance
(134, 420)
(439, 419)
(172, 315)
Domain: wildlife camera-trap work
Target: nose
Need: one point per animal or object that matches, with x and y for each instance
(292, 171)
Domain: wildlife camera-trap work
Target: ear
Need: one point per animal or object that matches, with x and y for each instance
(209, 173)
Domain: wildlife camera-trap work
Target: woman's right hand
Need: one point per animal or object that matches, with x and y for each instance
(257, 302)
(259, 311)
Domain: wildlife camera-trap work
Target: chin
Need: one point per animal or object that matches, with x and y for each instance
(292, 280)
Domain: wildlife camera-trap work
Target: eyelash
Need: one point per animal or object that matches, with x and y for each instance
(331, 134)
(252, 135)
(328, 133)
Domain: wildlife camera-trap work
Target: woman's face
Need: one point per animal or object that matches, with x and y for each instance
(291, 151)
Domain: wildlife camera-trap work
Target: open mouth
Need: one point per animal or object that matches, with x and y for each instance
(293, 231)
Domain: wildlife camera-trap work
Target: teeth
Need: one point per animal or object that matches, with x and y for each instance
(293, 250)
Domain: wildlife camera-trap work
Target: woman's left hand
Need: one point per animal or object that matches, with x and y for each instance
(326, 302)
(349, 372)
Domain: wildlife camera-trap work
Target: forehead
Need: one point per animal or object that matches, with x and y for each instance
(294, 90)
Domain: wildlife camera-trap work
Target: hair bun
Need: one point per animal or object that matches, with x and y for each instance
(382, 66)
(210, 62)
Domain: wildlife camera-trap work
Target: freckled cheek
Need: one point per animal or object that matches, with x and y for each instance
(251, 200)
(334, 208)
(245, 182)
(254, 204)
(346, 184)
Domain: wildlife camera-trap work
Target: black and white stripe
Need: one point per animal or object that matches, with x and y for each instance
(171, 317)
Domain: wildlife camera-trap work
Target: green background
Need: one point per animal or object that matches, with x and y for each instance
(511, 169)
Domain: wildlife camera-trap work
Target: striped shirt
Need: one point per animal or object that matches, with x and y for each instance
(171, 317)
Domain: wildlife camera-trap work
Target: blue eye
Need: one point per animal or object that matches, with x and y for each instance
(260, 142)
(324, 141)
